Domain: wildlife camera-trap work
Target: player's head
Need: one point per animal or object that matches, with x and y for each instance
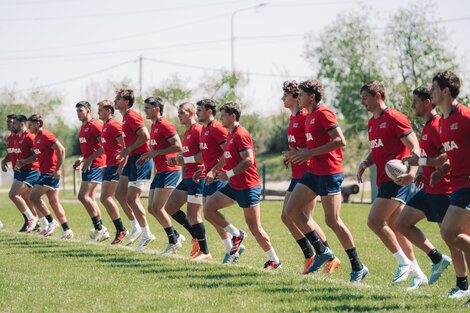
(10, 119)
(422, 101)
(83, 110)
(125, 98)
(19, 123)
(206, 110)
(311, 93)
(153, 107)
(230, 113)
(291, 93)
(105, 109)
(444, 85)
(35, 123)
(186, 113)
(372, 94)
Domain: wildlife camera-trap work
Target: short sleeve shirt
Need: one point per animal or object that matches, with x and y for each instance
(112, 129)
(11, 142)
(297, 140)
(160, 132)
(132, 122)
(191, 148)
(89, 141)
(47, 157)
(212, 136)
(24, 144)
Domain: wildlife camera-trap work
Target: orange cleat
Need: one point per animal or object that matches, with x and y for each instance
(201, 256)
(195, 247)
(330, 266)
(308, 263)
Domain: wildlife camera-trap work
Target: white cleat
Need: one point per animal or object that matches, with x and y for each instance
(417, 282)
(144, 242)
(92, 233)
(457, 293)
(101, 235)
(181, 239)
(67, 234)
(172, 248)
(136, 232)
(51, 228)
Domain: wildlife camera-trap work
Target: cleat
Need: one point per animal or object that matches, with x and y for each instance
(439, 268)
(67, 234)
(181, 239)
(466, 304)
(228, 259)
(23, 228)
(37, 228)
(402, 273)
(358, 276)
(32, 223)
(51, 228)
(135, 233)
(417, 282)
(195, 247)
(321, 259)
(271, 265)
(43, 231)
(101, 235)
(330, 266)
(92, 233)
(144, 242)
(120, 235)
(237, 241)
(171, 249)
(308, 263)
(238, 254)
(457, 293)
(201, 256)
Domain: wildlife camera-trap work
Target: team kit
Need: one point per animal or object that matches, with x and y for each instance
(220, 170)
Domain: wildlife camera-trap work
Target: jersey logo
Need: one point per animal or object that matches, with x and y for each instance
(227, 154)
(103, 140)
(37, 151)
(185, 149)
(231, 140)
(104, 130)
(383, 125)
(423, 154)
(206, 133)
(203, 145)
(309, 136)
(189, 136)
(450, 145)
(290, 138)
(153, 142)
(156, 130)
(16, 150)
(124, 122)
(86, 129)
(425, 137)
(82, 139)
(454, 126)
(295, 125)
(370, 129)
(21, 141)
(312, 121)
(39, 141)
(376, 143)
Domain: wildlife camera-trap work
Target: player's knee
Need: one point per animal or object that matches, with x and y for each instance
(401, 225)
(448, 235)
(373, 224)
(332, 222)
(82, 197)
(12, 195)
(285, 218)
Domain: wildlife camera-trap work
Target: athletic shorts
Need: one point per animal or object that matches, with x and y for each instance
(461, 198)
(390, 190)
(192, 188)
(245, 197)
(165, 179)
(144, 172)
(434, 206)
(323, 185)
(47, 180)
(110, 173)
(292, 184)
(93, 175)
(27, 176)
(216, 185)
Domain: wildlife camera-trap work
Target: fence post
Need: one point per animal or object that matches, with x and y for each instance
(74, 183)
(263, 173)
(63, 178)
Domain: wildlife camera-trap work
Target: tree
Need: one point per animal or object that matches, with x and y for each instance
(224, 87)
(173, 91)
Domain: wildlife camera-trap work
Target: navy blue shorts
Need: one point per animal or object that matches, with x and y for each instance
(47, 180)
(28, 177)
(165, 179)
(434, 206)
(192, 188)
(93, 175)
(292, 184)
(390, 190)
(110, 173)
(245, 198)
(144, 172)
(323, 185)
(216, 185)
(461, 198)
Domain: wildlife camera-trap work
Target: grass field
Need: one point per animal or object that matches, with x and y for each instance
(49, 275)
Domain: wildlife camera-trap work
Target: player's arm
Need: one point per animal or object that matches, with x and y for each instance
(142, 137)
(120, 140)
(32, 158)
(181, 161)
(88, 161)
(175, 146)
(440, 172)
(60, 158)
(368, 162)
(247, 160)
(5, 160)
(436, 161)
(411, 142)
(212, 174)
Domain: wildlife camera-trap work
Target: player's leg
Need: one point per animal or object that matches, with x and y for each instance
(108, 188)
(121, 196)
(133, 199)
(17, 189)
(53, 198)
(35, 196)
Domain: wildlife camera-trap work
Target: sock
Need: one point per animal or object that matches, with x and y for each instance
(305, 247)
(272, 255)
(416, 269)
(134, 224)
(181, 218)
(354, 259)
(145, 230)
(316, 242)
(118, 225)
(65, 226)
(462, 283)
(176, 232)
(25, 218)
(325, 243)
(43, 222)
(435, 256)
(96, 223)
(228, 244)
(101, 221)
(49, 218)
(29, 215)
(170, 232)
(401, 258)
(232, 230)
(200, 232)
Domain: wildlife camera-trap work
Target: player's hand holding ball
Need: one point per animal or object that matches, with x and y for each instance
(398, 171)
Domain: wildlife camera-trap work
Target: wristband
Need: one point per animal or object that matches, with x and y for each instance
(80, 159)
(422, 161)
(230, 173)
(190, 159)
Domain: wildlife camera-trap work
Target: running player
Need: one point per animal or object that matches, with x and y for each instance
(93, 160)
(324, 141)
(112, 142)
(244, 186)
(390, 137)
(50, 154)
(133, 178)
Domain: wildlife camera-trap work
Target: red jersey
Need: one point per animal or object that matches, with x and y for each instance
(161, 131)
(89, 141)
(317, 125)
(237, 141)
(47, 157)
(210, 139)
(430, 144)
(112, 129)
(11, 142)
(384, 139)
(131, 123)
(297, 139)
(455, 137)
(191, 148)
(23, 146)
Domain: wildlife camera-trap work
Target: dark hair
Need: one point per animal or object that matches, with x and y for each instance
(424, 93)
(232, 108)
(155, 102)
(291, 88)
(208, 104)
(450, 80)
(11, 116)
(84, 104)
(312, 87)
(126, 94)
(107, 104)
(374, 87)
(36, 118)
(20, 118)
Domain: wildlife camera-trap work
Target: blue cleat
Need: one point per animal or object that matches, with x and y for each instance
(238, 254)
(417, 282)
(439, 268)
(321, 259)
(402, 273)
(357, 276)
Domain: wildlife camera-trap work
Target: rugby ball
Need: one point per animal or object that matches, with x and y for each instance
(395, 168)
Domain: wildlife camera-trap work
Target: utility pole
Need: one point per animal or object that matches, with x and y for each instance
(140, 83)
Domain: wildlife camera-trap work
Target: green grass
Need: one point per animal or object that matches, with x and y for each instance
(49, 275)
